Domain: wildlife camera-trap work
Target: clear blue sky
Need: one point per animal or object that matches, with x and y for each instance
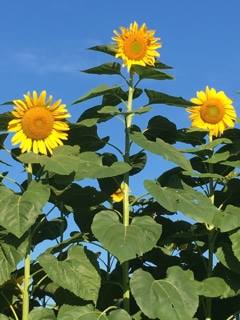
(42, 46)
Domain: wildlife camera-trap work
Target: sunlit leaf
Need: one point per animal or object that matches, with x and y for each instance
(125, 243)
(97, 92)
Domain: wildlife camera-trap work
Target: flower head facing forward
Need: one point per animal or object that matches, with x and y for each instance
(136, 45)
(213, 112)
(39, 124)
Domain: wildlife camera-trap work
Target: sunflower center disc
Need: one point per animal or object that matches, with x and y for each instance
(135, 49)
(37, 123)
(212, 111)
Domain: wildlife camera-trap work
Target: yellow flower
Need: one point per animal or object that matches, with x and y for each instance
(118, 195)
(39, 124)
(136, 45)
(213, 112)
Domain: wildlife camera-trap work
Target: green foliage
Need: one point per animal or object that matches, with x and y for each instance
(170, 253)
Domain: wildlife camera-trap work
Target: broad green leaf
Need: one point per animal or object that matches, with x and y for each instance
(109, 109)
(156, 97)
(106, 68)
(150, 73)
(162, 148)
(76, 274)
(213, 287)
(19, 212)
(97, 92)
(105, 48)
(31, 157)
(174, 297)
(228, 219)
(41, 314)
(235, 238)
(87, 312)
(186, 200)
(118, 95)
(9, 258)
(125, 243)
(119, 314)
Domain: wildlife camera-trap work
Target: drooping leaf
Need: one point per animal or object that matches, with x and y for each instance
(172, 298)
(138, 162)
(125, 243)
(106, 68)
(9, 258)
(150, 73)
(162, 148)
(76, 274)
(235, 239)
(156, 97)
(118, 95)
(186, 200)
(97, 92)
(160, 65)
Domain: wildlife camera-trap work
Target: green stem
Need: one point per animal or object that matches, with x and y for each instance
(126, 209)
(211, 241)
(27, 264)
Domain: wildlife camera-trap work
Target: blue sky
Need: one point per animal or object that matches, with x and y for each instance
(43, 46)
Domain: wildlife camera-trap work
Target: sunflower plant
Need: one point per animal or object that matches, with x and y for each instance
(100, 252)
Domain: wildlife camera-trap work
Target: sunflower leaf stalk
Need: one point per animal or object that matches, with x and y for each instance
(126, 205)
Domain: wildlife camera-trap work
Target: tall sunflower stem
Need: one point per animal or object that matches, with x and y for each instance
(126, 205)
(211, 241)
(27, 265)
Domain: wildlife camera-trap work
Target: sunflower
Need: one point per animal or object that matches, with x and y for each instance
(39, 124)
(118, 195)
(136, 45)
(213, 112)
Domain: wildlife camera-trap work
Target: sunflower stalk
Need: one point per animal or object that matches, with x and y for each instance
(126, 205)
(211, 240)
(27, 265)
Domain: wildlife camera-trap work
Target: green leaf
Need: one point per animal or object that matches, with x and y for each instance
(118, 95)
(19, 212)
(228, 219)
(160, 65)
(97, 92)
(234, 164)
(87, 312)
(225, 255)
(156, 97)
(9, 258)
(208, 146)
(218, 157)
(41, 314)
(174, 297)
(162, 148)
(213, 287)
(138, 162)
(106, 48)
(125, 243)
(186, 200)
(3, 317)
(76, 274)
(119, 314)
(235, 238)
(150, 73)
(106, 68)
